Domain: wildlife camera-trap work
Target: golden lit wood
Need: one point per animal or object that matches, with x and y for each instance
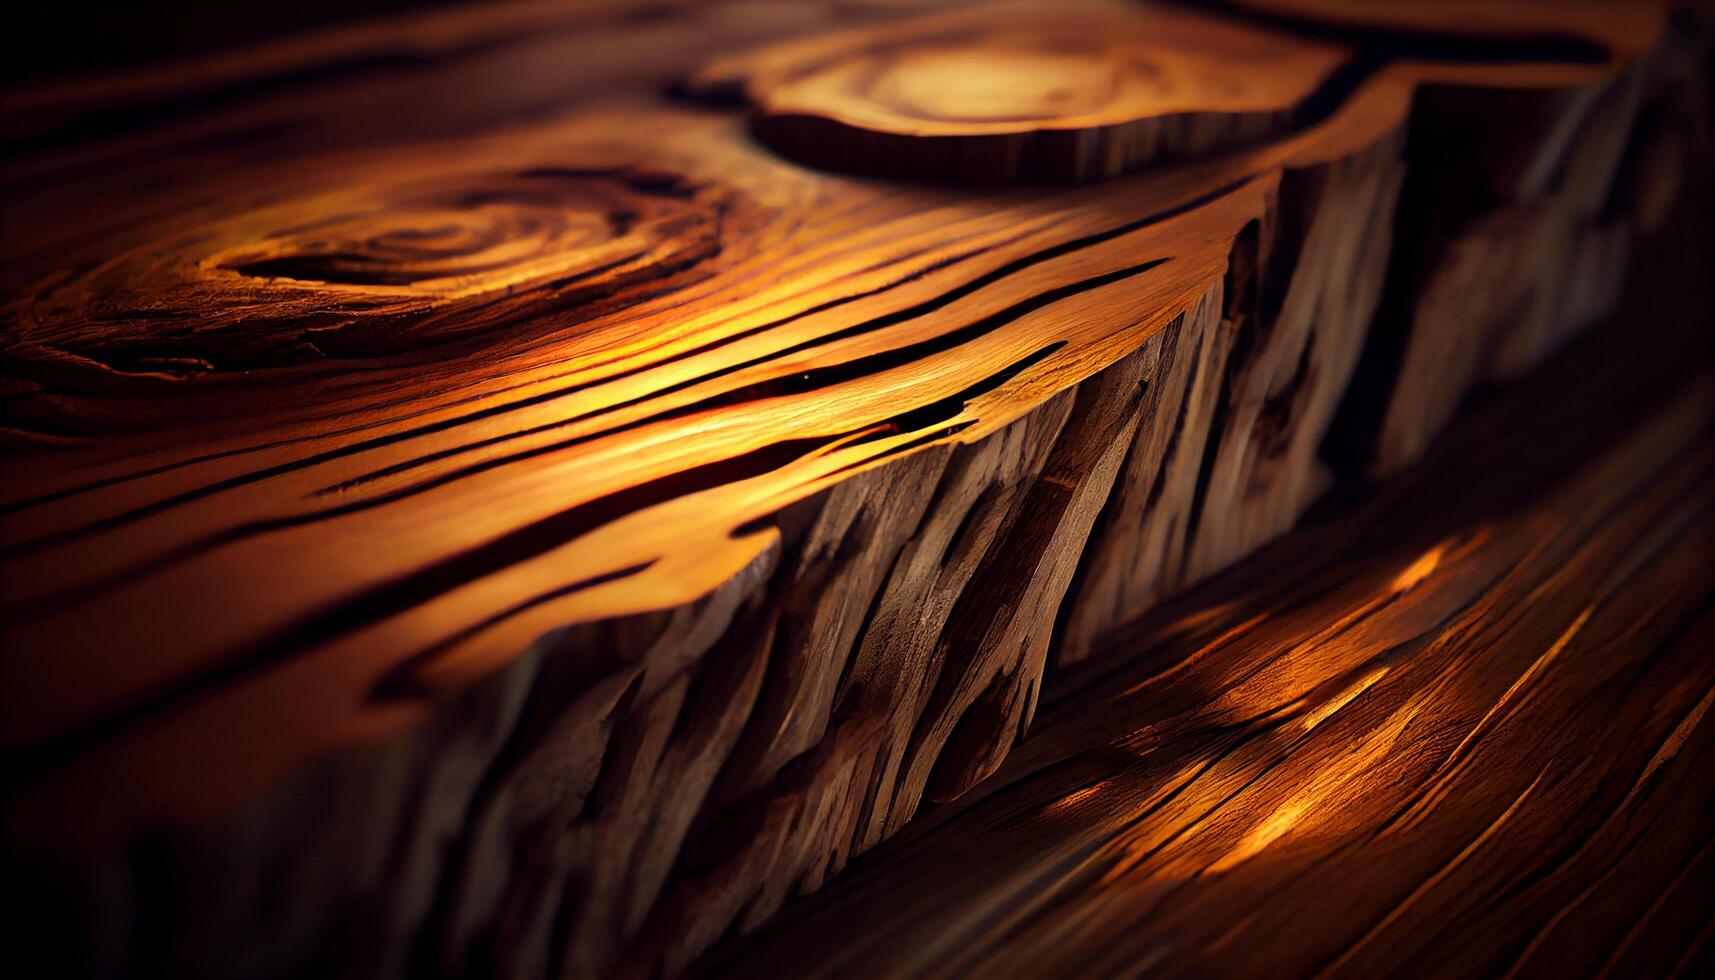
(1464, 730)
(1022, 92)
(508, 501)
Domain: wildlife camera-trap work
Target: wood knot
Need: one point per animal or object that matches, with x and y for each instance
(376, 268)
(1025, 94)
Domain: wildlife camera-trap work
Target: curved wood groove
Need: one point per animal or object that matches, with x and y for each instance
(600, 530)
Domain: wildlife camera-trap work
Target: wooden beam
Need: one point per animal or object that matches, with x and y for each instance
(471, 497)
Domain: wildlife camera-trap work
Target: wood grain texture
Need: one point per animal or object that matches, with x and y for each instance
(1528, 244)
(540, 529)
(1021, 92)
(1461, 730)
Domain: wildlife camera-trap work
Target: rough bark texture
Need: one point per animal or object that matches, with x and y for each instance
(470, 512)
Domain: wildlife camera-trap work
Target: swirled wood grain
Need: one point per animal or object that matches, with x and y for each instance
(543, 529)
(405, 263)
(1023, 92)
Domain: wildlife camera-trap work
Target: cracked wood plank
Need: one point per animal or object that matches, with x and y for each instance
(544, 529)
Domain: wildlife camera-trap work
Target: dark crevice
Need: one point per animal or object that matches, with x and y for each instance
(1378, 41)
(1431, 206)
(1241, 315)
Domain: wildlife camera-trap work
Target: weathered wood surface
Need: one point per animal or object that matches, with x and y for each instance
(491, 515)
(1464, 730)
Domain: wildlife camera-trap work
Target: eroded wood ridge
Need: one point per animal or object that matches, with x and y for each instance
(540, 535)
(1526, 245)
(1463, 730)
(1229, 461)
